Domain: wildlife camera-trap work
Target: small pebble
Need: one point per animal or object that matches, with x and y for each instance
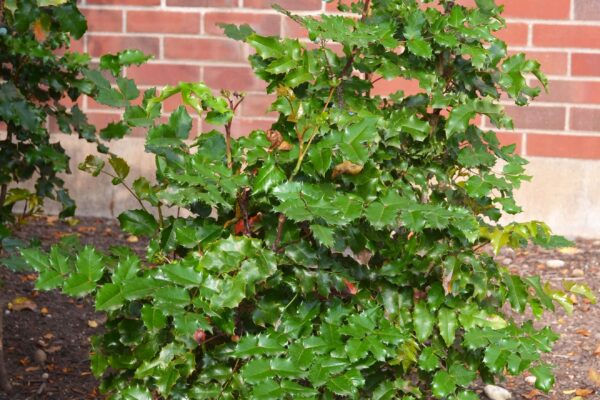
(40, 356)
(531, 379)
(497, 392)
(555, 263)
(45, 376)
(578, 272)
(507, 261)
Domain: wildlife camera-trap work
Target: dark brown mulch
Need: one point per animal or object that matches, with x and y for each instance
(59, 326)
(62, 327)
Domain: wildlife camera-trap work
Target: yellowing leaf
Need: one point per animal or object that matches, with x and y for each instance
(284, 146)
(39, 32)
(584, 392)
(22, 303)
(50, 3)
(346, 168)
(583, 332)
(594, 377)
(569, 250)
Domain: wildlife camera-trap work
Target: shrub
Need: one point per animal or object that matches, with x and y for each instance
(38, 73)
(340, 254)
(41, 81)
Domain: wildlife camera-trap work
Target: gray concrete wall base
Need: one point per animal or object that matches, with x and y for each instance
(96, 196)
(564, 193)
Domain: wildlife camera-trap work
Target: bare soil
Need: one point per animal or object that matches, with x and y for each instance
(61, 327)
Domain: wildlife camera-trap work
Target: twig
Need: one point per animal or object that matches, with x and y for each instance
(41, 389)
(277, 241)
(243, 203)
(233, 107)
(228, 145)
(126, 186)
(348, 66)
(235, 367)
(4, 188)
(4, 382)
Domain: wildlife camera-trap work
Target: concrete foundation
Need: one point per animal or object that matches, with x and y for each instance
(564, 193)
(96, 196)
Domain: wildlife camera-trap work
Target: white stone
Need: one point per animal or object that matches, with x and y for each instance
(555, 263)
(496, 392)
(531, 379)
(578, 272)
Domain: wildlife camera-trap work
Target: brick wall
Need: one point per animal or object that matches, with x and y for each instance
(182, 35)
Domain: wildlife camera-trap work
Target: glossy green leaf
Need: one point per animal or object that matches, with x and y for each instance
(269, 176)
(443, 384)
(109, 297)
(544, 378)
(138, 222)
(447, 324)
(423, 321)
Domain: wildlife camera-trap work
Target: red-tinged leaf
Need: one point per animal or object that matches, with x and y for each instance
(350, 286)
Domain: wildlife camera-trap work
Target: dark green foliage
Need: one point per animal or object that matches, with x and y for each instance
(40, 83)
(339, 254)
(39, 77)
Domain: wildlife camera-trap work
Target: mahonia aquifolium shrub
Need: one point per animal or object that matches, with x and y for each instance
(340, 254)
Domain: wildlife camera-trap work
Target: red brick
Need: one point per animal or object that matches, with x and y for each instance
(163, 22)
(101, 119)
(76, 46)
(147, 3)
(245, 126)
(565, 146)
(515, 34)
(292, 29)
(532, 117)
(585, 119)
(572, 92)
(293, 5)
(104, 20)
(264, 24)
(204, 49)
(93, 105)
(566, 36)
(533, 9)
(385, 88)
(587, 9)
(508, 138)
(233, 78)
(202, 3)
(585, 64)
(553, 63)
(164, 74)
(542, 9)
(256, 105)
(99, 45)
